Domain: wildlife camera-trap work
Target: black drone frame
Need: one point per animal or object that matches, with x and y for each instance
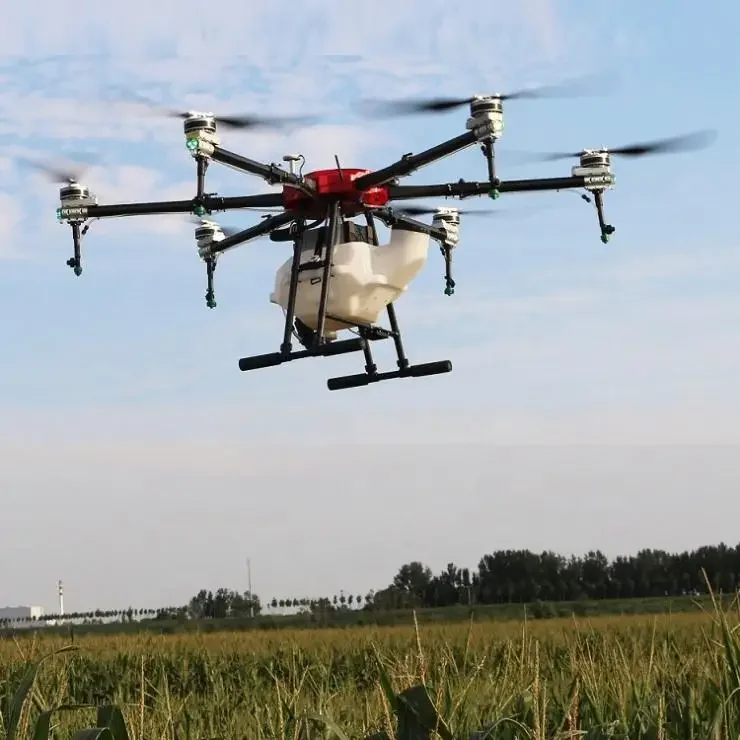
(316, 207)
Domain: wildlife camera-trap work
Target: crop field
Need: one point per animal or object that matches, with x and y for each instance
(659, 676)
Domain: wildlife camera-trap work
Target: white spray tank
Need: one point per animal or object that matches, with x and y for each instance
(365, 278)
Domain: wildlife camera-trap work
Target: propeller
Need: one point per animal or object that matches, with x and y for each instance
(61, 173)
(227, 230)
(587, 85)
(235, 121)
(685, 143)
(423, 211)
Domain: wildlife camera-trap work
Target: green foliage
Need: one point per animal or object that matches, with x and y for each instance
(671, 676)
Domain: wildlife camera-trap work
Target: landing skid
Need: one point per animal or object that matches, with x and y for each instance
(371, 374)
(368, 334)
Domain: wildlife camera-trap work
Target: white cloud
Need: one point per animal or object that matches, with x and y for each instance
(436, 310)
(12, 215)
(271, 34)
(262, 57)
(703, 261)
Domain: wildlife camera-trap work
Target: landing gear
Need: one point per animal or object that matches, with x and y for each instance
(371, 374)
(314, 341)
(367, 335)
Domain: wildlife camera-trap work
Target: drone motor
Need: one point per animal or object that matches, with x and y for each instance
(595, 166)
(200, 133)
(206, 233)
(73, 195)
(486, 111)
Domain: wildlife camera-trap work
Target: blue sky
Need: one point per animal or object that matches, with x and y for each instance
(127, 431)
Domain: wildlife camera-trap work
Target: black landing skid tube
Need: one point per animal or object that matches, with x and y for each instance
(316, 345)
(371, 374)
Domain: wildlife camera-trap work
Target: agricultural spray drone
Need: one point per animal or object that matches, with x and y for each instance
(339, 277)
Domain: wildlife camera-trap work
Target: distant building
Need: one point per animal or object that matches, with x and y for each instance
(20, 616)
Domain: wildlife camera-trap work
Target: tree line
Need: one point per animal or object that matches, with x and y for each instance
(502, 577)
(522, 576)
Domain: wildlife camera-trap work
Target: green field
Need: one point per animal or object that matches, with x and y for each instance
(398, 617)
(661, 676)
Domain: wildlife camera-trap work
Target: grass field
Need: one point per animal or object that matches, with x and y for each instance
(665, 676)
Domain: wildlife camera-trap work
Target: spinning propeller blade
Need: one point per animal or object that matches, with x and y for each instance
(61, 173)
(685, 143)
(236, 121)
(422, 211)
(588, 85)
(202, 221)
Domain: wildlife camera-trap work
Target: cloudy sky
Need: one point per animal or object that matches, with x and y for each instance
(139, 465)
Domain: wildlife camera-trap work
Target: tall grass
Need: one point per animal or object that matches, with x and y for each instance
(620, 677)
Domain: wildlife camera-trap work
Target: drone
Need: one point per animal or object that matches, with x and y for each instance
(340, 278)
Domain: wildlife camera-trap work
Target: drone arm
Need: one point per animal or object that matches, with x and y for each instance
(261, 229)
(125, 209)
(271, 173)
(209, 203)
(411, 162)
(389, 218)
(467, 189)
(266, 200)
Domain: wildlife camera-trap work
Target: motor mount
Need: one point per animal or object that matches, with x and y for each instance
(448, 220)
(487, 116)
(74, 198)
(206, 233)
(201, 135)
(595, 167)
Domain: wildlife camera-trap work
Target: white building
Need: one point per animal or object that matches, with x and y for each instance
(20, 616)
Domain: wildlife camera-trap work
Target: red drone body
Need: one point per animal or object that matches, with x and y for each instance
(335, 182)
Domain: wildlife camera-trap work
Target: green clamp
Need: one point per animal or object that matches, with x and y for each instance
(199, 211)
(494, 193)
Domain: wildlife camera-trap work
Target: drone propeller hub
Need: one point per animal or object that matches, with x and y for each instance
(595, 166)
(200, 133)
(73, 191)
(595, 158)
(486, 104)
(207, 233)
(199, 122)
(75, 196)
(334, 182)
(486, 115)
(448, 214)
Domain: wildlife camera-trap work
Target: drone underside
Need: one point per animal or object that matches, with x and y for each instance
(340, 277)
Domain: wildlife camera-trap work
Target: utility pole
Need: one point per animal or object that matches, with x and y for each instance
(249, 585)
